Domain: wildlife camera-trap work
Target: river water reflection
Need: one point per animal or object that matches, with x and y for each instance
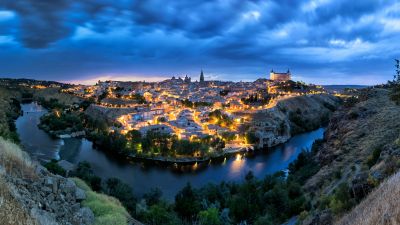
(142, 176)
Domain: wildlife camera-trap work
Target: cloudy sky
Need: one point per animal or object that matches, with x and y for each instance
(321, 41)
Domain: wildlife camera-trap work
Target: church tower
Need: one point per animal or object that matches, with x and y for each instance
(201, 76)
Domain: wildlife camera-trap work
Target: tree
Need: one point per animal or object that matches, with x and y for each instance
(397, 74)
(134, 136)
(238, 208)
(123, 192)
(341, 200)
(53, 167)
(160, 214)
(395, 93)
(264, 220)
(209, 217)
(102, 96)
(153, 196)
(251, 138)
(86, 103)
(85, 172)
(187, 203)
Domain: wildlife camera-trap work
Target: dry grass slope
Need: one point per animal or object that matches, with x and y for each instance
(382, 206)
(17, 163)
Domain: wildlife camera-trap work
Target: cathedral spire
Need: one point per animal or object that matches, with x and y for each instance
(201, 76)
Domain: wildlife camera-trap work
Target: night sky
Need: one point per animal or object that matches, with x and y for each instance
(321, 41)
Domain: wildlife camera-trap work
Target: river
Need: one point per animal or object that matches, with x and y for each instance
(142, 176)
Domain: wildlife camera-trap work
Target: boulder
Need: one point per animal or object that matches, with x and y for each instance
(43, 217)
(2, 170)
(87, 215)
(48, 181)
(80, 194)
(41, 170)
(68, 186)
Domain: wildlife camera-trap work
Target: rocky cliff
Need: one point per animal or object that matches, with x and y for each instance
(107, 113)
(292, 116)
(361, 148)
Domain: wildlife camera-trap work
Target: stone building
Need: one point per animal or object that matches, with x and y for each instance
(275, 76)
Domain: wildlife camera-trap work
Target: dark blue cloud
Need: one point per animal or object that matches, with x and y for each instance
(231, 39)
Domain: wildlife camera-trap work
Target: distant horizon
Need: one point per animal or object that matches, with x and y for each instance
(93, 81)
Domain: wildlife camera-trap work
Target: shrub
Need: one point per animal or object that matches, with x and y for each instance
(187, 202)
(341, 201)
(373, 158)
(264, 220)
(81, 184)
(53, 167)
(353, 115)
(160, 214)
(350, 102)
(106, 209)
(209, 217)
(329, 106)
(85, 172)
(338, 174)
(123, 192)
(251, 138)
(153, 196)
(303, 215)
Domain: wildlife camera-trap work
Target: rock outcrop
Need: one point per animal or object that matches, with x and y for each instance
(291, 116)
(107, 113)
(50, 199)
(30, 194)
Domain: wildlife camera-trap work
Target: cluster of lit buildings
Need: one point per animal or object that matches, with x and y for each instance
(181, 106)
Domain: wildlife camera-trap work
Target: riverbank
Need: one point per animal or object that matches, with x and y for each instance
(193, 160)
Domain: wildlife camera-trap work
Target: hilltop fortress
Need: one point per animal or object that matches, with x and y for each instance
(280, 76)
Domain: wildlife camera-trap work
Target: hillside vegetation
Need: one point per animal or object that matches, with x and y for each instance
(107, 209)
(361, 148)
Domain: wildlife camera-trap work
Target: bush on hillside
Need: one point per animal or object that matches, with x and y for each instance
(160, 213)
(106, 209)
(373, 158)
(121, 191)
(341, 201)
(84, 171)
(53, 167)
